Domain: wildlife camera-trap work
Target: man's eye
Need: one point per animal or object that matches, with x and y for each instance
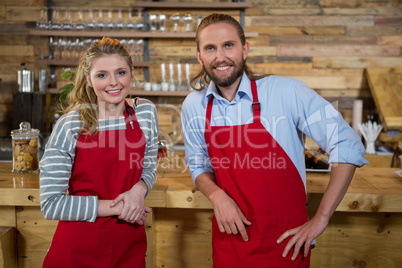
(209, 48)
(122, 72)
(229, 45)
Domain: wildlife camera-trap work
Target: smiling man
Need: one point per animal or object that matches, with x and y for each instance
(244, 139)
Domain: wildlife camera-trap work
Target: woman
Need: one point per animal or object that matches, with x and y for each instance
(103, 152)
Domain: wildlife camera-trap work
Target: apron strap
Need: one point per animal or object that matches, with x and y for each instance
(129, 116)
(209, 112)
(256, 104)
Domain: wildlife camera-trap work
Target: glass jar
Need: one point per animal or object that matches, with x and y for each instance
(25, 149)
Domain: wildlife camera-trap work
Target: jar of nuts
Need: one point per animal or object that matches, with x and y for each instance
(25, 149)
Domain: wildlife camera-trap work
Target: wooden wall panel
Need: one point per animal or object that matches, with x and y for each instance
(302, 35)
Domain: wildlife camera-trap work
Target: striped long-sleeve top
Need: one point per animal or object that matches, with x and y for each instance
(58, 159)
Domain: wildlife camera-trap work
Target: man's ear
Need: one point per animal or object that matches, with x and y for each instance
(199, 58)
(246, 49)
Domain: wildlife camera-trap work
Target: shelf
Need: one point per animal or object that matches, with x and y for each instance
(205, 5)
(74, 63)
(120, 34)
(141, 93)
(138, 92)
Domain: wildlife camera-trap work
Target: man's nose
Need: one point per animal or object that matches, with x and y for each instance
(220, 53)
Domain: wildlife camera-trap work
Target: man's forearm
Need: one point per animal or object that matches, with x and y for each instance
(206, 183)
(341, 176)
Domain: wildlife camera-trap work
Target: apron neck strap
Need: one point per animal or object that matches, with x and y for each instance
(256, 104)
(129, 116)
(209, 112)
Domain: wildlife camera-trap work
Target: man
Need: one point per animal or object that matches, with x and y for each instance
(244, 140)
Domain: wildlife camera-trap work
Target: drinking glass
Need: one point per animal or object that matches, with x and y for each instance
(130, 25)
(42, 22)
(109, 22)
(90, 23)
(100, 23)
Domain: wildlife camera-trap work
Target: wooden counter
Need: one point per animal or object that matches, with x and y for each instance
(368, 222)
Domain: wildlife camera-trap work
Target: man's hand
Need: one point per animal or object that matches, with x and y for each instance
(302, 236)
(341, 176)
(228, 215)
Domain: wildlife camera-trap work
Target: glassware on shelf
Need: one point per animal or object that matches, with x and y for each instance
(90, 23)
(79, 22)
(188, 19)
(139, 50)
(139, 24)
(175, 19)
(162, 23)
(109, 22)
(56, 21)
(42, 22)
(100, 23)
(119, 25)
(129, 24)
(67, 23)
(152, 22)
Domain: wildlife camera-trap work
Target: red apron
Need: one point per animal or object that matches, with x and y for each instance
(106, 164)
(252, 168)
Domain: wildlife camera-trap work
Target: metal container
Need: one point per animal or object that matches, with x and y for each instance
(26, 80)
(25, 149)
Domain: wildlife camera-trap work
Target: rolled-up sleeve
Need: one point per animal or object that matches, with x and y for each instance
(318, 119)
(193, 123)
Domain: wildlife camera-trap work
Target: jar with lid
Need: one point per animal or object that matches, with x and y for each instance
(25, 149)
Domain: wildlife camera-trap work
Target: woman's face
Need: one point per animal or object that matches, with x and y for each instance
(110, 77)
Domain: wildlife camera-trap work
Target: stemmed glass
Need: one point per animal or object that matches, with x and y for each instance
(56, 22)
(130, 25)
(139, 24)
(109, 23)
(79, 23)
(42, 22)
(188, 19)
(90, 23)
(139, 50)
(175, 18)
(119, 21)
(67, 24)
(100, 24)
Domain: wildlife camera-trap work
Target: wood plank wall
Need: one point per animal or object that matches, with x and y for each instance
(326, 43)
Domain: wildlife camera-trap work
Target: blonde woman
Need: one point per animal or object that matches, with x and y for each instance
(98, 166)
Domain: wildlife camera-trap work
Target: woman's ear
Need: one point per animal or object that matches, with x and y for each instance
(88, 80)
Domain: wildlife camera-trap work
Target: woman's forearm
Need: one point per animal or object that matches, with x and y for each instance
(106, 210)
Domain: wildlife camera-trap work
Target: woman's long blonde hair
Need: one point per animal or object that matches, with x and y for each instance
(201, 79)
(82, 98)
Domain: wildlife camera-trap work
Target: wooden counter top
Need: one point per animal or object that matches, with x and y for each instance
(371, 190)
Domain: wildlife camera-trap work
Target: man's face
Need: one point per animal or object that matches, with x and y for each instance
(221, 54)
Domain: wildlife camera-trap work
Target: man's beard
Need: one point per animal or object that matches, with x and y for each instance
(226, 81)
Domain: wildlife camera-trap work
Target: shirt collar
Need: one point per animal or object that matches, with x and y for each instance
(244, 90)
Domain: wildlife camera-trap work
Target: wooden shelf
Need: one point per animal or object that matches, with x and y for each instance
(74, 63)
(141, 93)
(120, 34)
(205, 5)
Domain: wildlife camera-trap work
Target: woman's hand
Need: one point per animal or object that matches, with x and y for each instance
(134, 210)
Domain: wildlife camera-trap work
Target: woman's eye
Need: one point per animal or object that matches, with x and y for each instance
(101, 75)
